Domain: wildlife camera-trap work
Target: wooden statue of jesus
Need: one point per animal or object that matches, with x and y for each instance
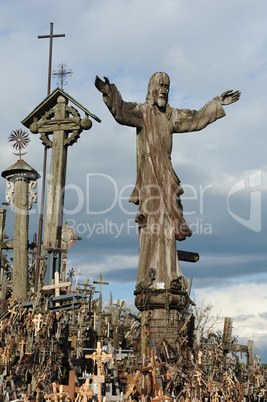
(157, 190)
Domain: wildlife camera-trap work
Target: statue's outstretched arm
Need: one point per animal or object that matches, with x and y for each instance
(103, 86)
(229, 97)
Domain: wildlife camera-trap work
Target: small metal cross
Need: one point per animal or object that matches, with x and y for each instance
(62, 73)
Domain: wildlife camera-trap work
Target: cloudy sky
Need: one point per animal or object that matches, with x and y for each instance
(206, 47)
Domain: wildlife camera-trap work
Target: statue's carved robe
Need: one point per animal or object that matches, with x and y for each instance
(157, 190)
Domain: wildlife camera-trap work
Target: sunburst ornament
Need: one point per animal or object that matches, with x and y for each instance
(68, 237)
(21, 140)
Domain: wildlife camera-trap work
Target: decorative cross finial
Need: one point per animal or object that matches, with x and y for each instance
(62, 73)
(21, 141)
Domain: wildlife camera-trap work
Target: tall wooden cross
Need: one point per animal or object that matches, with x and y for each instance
(50, 36)
(41, 217)
(100, 294)
(53, 117)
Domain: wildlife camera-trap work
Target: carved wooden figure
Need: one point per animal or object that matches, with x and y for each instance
(157, 190)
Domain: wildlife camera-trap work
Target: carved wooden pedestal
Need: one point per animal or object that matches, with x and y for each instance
(161, 314)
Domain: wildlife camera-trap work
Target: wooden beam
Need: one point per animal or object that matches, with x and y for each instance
(187, 256)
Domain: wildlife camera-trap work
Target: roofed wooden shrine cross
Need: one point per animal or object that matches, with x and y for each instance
(53, 117)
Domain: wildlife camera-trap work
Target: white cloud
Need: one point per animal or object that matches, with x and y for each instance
(118, 262)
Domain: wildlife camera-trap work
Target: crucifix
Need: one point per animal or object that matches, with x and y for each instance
(37, 320)
(84, 393)
(98, 357)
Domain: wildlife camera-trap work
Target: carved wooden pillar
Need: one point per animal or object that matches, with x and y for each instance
(21, 178)
(57, 179)
(20, 251)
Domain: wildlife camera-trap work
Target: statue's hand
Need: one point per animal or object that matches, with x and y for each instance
(103, 86)
(229, 97)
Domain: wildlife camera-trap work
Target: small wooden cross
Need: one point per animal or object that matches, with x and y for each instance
(37, 322)
(100, 294)
(133, 383)
(57, 396)
(200, 353)
(199, 377)
(22, 348)
(152, 369)
(161, 397)
(56, 286)
(71, 389)
(257, 377)
(85, 392)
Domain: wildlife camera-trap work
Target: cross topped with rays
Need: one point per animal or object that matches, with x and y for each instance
(21, 140)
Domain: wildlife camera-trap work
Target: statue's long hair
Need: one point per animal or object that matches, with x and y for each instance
(154, 79)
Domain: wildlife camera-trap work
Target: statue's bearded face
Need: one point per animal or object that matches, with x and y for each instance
(161, 90)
